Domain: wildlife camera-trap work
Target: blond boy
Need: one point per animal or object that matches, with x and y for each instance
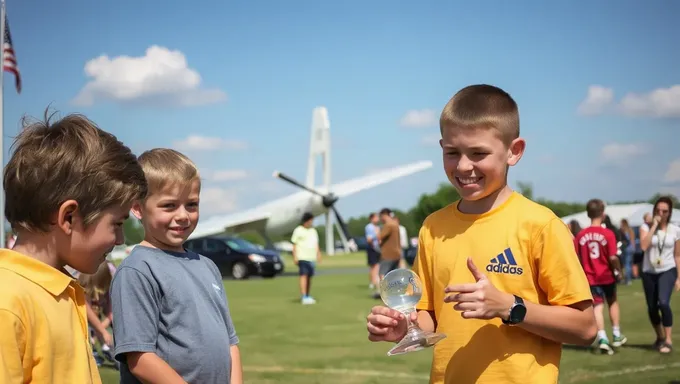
(69, 187)
(500, 274)
(171, 316)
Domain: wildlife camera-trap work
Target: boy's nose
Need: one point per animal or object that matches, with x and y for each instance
(464, 164)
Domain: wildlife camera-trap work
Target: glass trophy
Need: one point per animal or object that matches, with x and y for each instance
(401, 290)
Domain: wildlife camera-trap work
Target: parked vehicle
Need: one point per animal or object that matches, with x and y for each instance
(237, 257)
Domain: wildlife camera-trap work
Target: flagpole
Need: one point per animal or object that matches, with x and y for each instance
(2, 126)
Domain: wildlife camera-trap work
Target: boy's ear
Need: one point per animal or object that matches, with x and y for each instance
(516, 150)
(137, 209)
(67, 215)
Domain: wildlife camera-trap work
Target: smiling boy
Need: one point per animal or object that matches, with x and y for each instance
(69, 187)
(172, 321)
(500, 275)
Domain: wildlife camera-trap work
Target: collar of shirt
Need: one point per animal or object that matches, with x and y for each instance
(51, 279)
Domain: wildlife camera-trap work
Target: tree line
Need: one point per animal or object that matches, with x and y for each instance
(411, 219)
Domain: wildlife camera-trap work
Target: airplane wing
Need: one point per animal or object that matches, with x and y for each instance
(237, 222)
(377, 178)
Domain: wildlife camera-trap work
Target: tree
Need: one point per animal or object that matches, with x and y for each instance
(674, 199)
(133, 231)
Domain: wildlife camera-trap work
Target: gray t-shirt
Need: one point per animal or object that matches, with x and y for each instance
(173, 304)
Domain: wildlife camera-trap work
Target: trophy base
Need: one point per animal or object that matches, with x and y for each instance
(416, 341)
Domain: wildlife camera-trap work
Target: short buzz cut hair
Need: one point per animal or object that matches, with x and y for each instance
(595, 208)
(164, 167)
(482, 106)
(68, 159)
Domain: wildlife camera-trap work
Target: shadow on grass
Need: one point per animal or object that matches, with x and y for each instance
(644, 347)
(577, 347)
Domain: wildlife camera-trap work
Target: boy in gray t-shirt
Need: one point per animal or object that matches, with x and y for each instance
(171, 316)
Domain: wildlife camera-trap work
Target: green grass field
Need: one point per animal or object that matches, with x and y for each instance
(284, 342)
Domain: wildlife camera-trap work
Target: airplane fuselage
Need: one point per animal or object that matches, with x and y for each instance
(286, 212)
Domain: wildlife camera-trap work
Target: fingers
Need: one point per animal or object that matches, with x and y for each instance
(473, 269)
(384, 311)
(463, 297)
(462, 288)
(466, 307)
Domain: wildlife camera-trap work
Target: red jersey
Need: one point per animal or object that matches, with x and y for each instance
(594, 246)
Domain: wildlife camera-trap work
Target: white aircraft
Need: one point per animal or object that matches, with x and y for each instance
(282, 215)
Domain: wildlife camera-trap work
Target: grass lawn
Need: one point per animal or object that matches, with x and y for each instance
(284, 342)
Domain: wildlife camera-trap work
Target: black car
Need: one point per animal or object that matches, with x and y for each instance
(237, 257)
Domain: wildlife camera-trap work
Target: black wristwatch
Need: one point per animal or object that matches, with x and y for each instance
(517, 312)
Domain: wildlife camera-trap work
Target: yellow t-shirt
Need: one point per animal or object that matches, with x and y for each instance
(306, 242)
(524, 249)
(43, 325)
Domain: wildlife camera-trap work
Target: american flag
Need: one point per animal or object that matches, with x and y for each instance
(9, 61)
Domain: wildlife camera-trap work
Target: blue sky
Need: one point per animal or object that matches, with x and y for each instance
(594, 82)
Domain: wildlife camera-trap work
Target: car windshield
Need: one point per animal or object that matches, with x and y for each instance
(241, 245)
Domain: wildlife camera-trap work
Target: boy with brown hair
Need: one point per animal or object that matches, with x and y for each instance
(500, 275)
(69, 187)
(172, 321)
(597, 249)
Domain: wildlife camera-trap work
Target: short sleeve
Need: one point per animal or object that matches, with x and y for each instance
(296, 236)
(422, 268)
(560, 274)
(612, 244)
(12, 348)
(231, 331)
(134, 299)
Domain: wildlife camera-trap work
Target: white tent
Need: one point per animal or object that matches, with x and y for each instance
(631, 212)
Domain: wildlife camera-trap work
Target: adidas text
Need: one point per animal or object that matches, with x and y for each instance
(504, 268)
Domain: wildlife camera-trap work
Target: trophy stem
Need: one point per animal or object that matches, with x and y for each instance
(415, 339)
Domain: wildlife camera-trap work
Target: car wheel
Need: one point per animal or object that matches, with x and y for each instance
(239, 271)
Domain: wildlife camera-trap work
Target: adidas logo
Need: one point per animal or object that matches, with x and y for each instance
(504, 263)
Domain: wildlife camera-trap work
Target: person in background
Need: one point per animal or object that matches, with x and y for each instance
(371, 231)
(390, 245)
(574, 227)
(403, 241)
(306, 252)
(628, 239)
(639, 253)
(596, 247)
(99, 314)
(661, 244)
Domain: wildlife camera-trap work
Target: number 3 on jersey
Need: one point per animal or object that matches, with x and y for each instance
(594, 248)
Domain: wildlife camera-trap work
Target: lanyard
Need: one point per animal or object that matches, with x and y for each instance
(662, 243)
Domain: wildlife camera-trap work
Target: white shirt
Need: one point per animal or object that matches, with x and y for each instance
(660, 256)
(403, 237)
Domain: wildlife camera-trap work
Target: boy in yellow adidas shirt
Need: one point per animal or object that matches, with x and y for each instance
(500, 274)
(69, 187)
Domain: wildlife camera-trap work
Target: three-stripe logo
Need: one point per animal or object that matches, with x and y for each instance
(504, 263)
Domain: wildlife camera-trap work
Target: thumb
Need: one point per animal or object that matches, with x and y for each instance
(475, 272)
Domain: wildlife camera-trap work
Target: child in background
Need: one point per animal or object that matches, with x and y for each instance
(99, 314)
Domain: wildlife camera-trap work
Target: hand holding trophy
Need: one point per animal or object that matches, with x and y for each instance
(401, 290)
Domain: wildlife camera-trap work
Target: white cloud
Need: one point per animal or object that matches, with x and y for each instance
(599, 98)
(217, 200)
(673, 173)
(661, 102)
(204, 143)
(618, 153)
(419, 118)
(160, 77)
(658, 103)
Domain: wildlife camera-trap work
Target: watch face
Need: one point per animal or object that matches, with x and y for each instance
(518, 313)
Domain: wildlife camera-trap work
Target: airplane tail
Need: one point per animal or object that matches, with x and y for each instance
(319, 145)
